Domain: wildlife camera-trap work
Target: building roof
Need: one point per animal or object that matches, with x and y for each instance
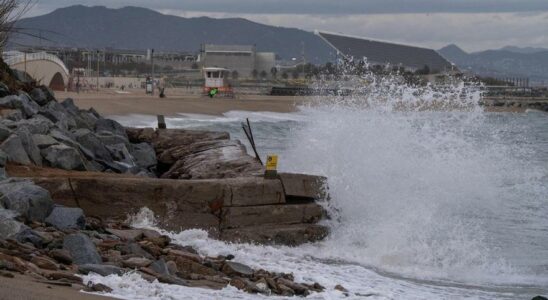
(386, 52)
(229, 48)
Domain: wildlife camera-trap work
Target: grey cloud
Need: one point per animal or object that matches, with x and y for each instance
(321, 6)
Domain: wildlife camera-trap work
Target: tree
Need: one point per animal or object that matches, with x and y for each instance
(295, 74)
(255, 73)
(274, 71)
(263, 74)
(235, 74)
(424, 71)
(284, 75)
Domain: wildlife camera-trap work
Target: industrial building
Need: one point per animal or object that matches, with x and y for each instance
(243, 60)
(382, 53)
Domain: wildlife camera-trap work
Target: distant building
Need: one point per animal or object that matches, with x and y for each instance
(381, 53)
(242, 59)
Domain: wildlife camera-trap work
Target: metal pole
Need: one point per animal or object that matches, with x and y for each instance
(97, 70)
(152, 61)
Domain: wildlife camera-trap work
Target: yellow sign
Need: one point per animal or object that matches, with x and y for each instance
(272, 163)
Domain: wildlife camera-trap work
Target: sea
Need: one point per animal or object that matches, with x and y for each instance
(430, 197)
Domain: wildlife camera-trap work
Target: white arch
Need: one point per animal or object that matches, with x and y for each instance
(40, 66)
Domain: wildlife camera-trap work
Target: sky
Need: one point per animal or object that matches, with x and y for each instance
(474, 25)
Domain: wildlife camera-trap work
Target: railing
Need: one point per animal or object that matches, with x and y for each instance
(21, 58)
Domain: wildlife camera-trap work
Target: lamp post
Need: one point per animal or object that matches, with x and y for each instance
(97, 70)
(152, 75)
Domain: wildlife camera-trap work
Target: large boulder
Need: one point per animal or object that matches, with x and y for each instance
(5, 132)
(27, 199)
(120, 153)
(111, 126)
(38, 96)
(56, 113)
(82, 249)
(63, 157)
(87, 139)
(28, 144)
(37, 124)
(66, 218)
(144, 155)
(22, 102)
(9, 227)
(43, 141)
(13, 147)
(109, 138)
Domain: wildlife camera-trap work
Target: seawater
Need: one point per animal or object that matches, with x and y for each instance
(438, 204)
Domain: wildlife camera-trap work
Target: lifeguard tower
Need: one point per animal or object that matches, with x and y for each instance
(215, 79)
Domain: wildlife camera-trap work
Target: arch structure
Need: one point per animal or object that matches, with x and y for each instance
(43, 67)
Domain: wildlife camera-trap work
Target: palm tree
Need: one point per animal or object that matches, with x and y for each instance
(274, 71)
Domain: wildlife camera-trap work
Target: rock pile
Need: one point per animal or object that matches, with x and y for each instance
(58, 248)
(36, 129)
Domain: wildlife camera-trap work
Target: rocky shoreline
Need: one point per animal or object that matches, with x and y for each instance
(69, 178)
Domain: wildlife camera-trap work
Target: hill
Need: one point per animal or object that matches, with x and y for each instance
(506, 62)
(140, 28)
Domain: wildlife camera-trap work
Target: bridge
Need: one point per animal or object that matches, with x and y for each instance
(43, 67)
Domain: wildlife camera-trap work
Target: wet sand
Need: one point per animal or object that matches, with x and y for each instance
(26, 288)
(110, 102)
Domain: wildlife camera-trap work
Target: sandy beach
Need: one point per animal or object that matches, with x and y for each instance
(111, 102)
(26, 288)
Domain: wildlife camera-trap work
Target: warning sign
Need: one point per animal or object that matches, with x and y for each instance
(272, 163)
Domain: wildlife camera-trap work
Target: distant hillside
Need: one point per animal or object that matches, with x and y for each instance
(140, 28)
(507, 62)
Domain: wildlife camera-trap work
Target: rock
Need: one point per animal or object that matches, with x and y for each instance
(134, 248)
(237, 269)
(4, 90)
(44, 263)
(63, 157)
(82, 249)
(339, 287)
(136, 262)
(8, 226)
(120, 153)
(64, 218)
(36, 125)
(127, 235)
(160, 266)
(29, 200)
(88, 140)
(97, 287)
(5, 132)
(103, 270)
(43, 141)
(187, 267)
(144, 155)
(39, 96)
(13, 147)
(298, 288)
(109, 138)
(3, 158)
(185, 254)
(15, 115)
(66, 276)
(22, 102)
(56, 113)
(69, 105)
(28, 235)
(62, 256)
(110, 126)
(28, 144)
(285, 290)
(172, 267)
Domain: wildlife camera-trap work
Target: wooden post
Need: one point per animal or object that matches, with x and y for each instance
(161, 122)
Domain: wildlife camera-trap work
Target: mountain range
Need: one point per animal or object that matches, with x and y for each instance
(136, 28)
(141, 28)
(509, 61)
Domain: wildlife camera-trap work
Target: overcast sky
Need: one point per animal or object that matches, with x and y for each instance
(472, 24)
